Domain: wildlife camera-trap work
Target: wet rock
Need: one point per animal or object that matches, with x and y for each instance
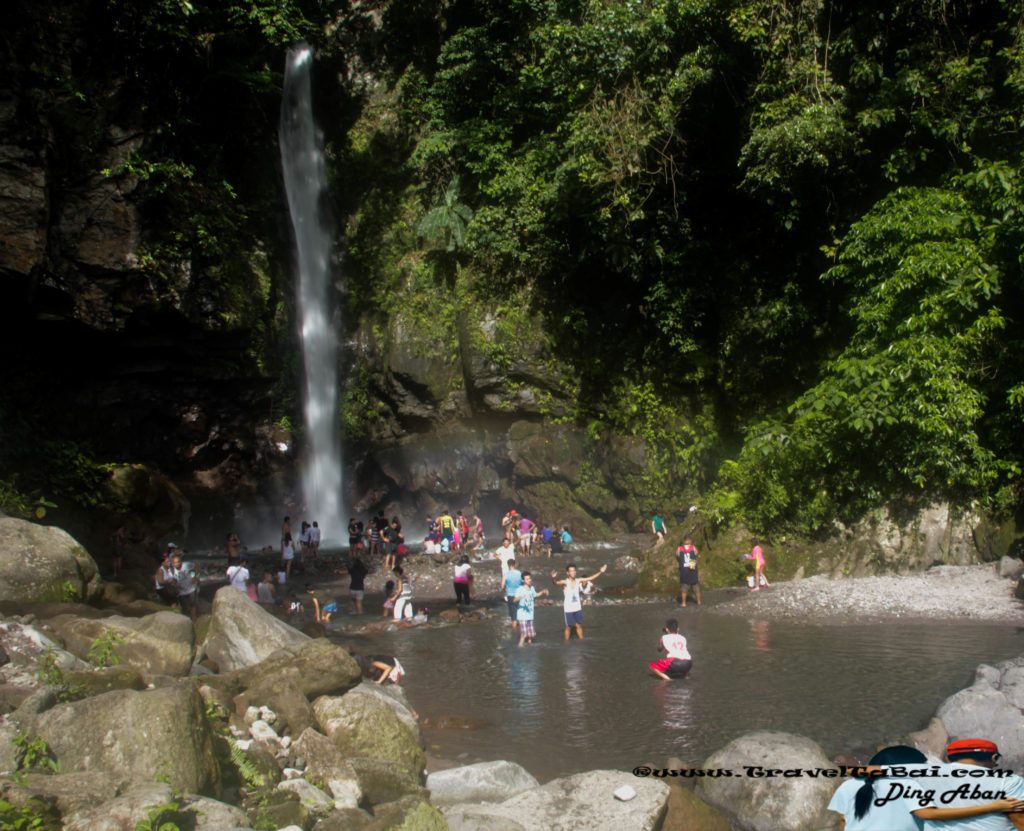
(39, 562)
(770, 804)
(583, 802)
(135, 737)
(364, 725)
(242, 633)
(157, 644)
(483, 782)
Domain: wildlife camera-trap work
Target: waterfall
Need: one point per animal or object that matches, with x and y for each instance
(302, 160)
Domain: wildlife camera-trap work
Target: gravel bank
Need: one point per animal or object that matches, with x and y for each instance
(960, 593)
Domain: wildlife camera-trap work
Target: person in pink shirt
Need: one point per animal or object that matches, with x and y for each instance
(757, 555)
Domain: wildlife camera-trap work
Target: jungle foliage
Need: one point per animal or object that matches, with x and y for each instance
(779, 240)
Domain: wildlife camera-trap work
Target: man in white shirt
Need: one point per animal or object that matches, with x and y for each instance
(238, 576)
(971, 779)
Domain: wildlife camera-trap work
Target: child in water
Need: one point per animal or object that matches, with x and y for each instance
(389, 598)
(677, 661)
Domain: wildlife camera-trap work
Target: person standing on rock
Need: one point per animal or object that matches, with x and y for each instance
(166, 585)
(478, 533)
(526, 527)
(286, 529)
(659, 529)
(677, 661)
(572, 604)
(187, 581)
(686, 554)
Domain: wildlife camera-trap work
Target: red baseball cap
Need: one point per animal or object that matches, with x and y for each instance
(972, 746)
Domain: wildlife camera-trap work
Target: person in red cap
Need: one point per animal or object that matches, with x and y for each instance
(969, 782)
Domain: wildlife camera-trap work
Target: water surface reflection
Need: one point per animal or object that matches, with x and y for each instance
(559, 707)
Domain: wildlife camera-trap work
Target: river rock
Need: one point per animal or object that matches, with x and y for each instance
(1011, 567)
(380, 781)
(583, 802)
(283, 696)
(69, 792)
(157, 644)
(410, 813)
(688, 813)
(364, 725)
(984, 710)
(135, 737)
(243, 633)
(326, 763)
(394, 697)
(39, 562)
(931, 741)
(128, 811)
(483, 782)
(316, 667)
(107, 679)
(316, 803)
(770, 804)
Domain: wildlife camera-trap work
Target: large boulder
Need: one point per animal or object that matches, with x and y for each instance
(362, 724)
(157, 644)
(135, 737)
(770, 803)
(583, 802)
(483, 782)
(293, 710)
(991, 709)
(410, 813)
(317, 667)
(381, 782)
(243, 633)
(326, 763)
(38, 562)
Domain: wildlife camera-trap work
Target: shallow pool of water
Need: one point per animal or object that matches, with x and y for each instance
(559, 708)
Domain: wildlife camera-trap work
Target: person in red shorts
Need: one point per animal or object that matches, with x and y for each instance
(677, 662)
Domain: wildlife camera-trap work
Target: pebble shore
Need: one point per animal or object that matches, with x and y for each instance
(957, 593)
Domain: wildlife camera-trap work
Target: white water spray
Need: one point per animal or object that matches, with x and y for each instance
(302, 159)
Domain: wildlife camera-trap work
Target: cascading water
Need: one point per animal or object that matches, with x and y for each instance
(302, 159)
